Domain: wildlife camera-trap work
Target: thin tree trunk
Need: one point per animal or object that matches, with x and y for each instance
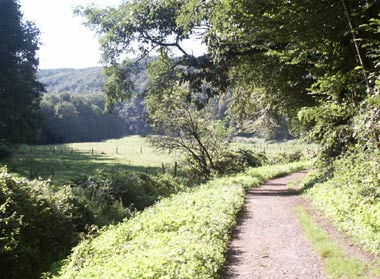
(357, 47)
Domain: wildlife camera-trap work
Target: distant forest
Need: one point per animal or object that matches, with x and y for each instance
(73, 107)
(79, 81)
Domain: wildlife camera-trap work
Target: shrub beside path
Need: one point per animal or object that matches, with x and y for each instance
(269, 242)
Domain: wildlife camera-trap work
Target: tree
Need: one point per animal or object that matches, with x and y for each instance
(151, 27)
(182, 126)
(305, 59)
(180, 83)
(299, 60)
(78, 118)
(19, 90)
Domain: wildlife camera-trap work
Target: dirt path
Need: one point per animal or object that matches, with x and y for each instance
(269, 242)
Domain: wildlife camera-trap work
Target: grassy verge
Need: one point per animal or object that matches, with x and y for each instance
(351, 198)
(184, 236)
(336, 263)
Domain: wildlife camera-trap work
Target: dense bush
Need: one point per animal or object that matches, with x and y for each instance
(5, 150)
(239, 160)
(38, 226)
(287, 157)
(111, 197)
(352, 197)
(33, 230)
(184, 236)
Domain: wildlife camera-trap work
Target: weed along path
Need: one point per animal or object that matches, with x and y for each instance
(269, 242)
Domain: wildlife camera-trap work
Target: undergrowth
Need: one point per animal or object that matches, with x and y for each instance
(183, 236)
(39, 225)
(351, 198)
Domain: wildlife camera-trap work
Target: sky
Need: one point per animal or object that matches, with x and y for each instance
(66, 42)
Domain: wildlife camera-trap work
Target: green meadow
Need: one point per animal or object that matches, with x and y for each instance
(62, 162)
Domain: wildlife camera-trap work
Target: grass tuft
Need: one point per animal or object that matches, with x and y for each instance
(336, 263)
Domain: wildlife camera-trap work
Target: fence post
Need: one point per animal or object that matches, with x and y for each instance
(175, 169)
(163, 168)
(31, 167)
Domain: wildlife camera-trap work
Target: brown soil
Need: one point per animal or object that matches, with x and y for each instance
(269, 242)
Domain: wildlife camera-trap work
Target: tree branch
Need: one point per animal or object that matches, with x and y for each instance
(160, 43)
(357, 47)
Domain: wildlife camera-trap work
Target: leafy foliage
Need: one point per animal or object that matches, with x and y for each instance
(143, 27)
(5, 150)
(352, 198)
(195, 132)
(75, 81)
(128, 189)
(19, 90)
(231, 162)
(297, 56)
(73, 118)
(74, 108)
(278, 58)
(184, 236)
(34, 232)
(331, 125)
(39, 226)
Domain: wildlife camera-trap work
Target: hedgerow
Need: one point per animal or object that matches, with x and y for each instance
(39, 225)
(33, 231)
(351, 198)
(183, 236)
(110, 197)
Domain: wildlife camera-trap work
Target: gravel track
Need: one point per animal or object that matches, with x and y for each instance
(268, 242)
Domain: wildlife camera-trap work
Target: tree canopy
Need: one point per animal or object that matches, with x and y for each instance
(19, 90)
(314, 63)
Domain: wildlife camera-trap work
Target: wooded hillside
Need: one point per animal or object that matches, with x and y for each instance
(79, 81)
(73, 107)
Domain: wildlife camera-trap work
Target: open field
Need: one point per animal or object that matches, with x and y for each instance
(63, 162)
